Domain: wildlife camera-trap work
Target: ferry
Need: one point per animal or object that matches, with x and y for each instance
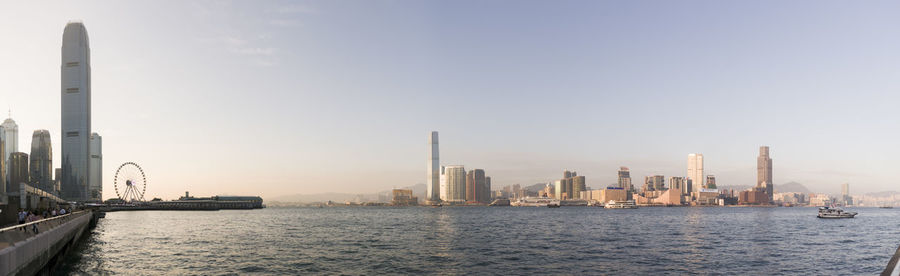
(535, 202)
(834, 213)
(628, 204)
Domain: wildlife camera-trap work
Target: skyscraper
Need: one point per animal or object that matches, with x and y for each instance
(487, 189)
(75, 94)
(432, 177)
(846, 199)
(96, 176)
(764, 171)
(677, 182)
(654, 183)
(18, 170)
(624, 179)
(10, 136)
(41, 166)
(695, 171)
(578, 185)
(478, 188)
(470, 185)
(455, 181)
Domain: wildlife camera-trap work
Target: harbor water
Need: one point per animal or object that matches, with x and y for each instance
(488, 240)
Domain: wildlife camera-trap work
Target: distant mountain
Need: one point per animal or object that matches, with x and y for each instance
(535, 187)
(418, 190)
(791, 187)
(883, 194)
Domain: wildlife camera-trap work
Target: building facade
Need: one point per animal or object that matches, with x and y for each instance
(624, 181)
(18, 171)
(432, 174)
(41, 163)
(695, 171)
(764, 171)
(96, 176)
(455, 182)
(75, 93)
(710, 182)
(9, 131)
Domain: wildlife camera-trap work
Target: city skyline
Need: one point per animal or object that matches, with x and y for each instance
(180, 87)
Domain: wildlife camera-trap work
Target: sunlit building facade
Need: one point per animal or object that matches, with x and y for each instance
(695, 171)
(41, 163)
(764, 172)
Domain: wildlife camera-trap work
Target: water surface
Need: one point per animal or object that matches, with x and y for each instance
(489, 240)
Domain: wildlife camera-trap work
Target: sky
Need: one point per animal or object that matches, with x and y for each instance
(274, 98)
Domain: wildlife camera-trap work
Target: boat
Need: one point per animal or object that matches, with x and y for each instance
(628, 204)
(886, 207)
(535, 202)
(500, 202)
(834, 212)
(553, 205)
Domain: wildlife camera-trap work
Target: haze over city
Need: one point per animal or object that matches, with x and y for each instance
(275, 98)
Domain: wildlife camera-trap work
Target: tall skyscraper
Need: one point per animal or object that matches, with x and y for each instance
(18, 170)
(432, 177)
(478, 188)
(41, 167)
(487, 189)
(455, 181)
(96, 177)
(764, 171)
(625, 179)
(845, 194)
(578, 185)
(75, 92)
(10, 134)
(470, 185)
(695, 171)
(4, 198)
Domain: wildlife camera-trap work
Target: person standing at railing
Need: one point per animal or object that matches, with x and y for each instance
(22, 215)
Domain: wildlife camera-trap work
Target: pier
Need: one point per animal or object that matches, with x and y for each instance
(35, 247)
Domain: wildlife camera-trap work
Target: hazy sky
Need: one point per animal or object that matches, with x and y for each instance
(271, 98)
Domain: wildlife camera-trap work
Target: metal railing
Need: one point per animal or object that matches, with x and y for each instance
(893, 267)
(11, 235)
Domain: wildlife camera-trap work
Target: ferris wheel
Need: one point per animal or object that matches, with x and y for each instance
(130, 182)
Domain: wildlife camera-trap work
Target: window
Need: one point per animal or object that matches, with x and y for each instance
(72, 90)
(71, 64)
(72, 134)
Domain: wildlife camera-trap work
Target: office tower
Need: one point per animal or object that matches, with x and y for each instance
(477, 176)
(57, 174)
(41, 166)
(578, 185)
(75, 93)
(567, 174)
(96, 176)
(10, 136)
(4, 198)
(764, 171)
(560, 190)
(443, 186)
(710, 181)
(677, 182)
(654, 183)
(18, 171)
(624, 179)
(487, 189)
(695, 171)
(845, 194)
(455, 178)
(432, 178)
(470, 185)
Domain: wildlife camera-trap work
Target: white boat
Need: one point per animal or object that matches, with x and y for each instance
(536, 202)
(628, 204)
(834, 212)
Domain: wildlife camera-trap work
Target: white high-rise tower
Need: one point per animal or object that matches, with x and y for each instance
(433, 173)
(695, 171)
(10, 133)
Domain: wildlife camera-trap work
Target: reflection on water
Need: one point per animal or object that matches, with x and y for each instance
(492, 240)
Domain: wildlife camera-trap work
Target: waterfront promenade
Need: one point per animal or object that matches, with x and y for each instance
(32, 248)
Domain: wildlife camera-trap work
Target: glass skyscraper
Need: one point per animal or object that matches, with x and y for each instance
(75, 95)
(41, 166)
